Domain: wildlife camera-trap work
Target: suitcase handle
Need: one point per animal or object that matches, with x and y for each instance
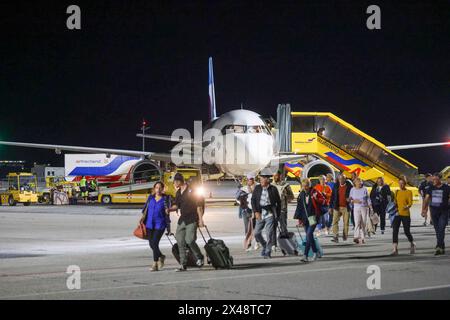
(199, 229)
(300, 234)
(168, 237)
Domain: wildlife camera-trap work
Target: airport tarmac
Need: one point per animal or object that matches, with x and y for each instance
(38, 243)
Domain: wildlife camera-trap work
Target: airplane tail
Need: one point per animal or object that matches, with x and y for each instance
(212, 93)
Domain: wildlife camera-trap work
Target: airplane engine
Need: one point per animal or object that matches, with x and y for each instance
(145, 171)
(316, 168)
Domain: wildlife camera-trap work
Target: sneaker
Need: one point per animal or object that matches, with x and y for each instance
(382, 231)
(154, 267)
(181, 269)
(413, 248)
(267, 256)
(438, 252)
(263, 252)
(305, 259)
(257, 246)
(356, 240)
(335, 239)
(200, 262)
(160, 262)
(318, 255)
(425, 224)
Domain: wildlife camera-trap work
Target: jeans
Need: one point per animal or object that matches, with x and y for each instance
(381, 212)
(267, 225)
(310, 243)
(187, 235)
(153, 240)
(440, 218)
(406, 221)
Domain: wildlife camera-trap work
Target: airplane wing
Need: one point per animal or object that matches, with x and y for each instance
(59, 148)
(416, 146)
(166, 138)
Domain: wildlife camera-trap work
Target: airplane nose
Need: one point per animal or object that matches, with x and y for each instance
(258, 149)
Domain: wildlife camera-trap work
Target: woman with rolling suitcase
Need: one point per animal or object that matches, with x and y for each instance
(307, 215)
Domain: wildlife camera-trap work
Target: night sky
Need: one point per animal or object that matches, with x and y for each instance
(135, 59)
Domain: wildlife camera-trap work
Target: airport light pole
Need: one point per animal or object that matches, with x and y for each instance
(144, 127)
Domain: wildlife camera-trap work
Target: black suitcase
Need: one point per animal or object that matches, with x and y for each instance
(217, 252)
(191, 260)
(287, 242)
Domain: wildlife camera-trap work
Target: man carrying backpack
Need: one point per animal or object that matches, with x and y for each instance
(438, 197)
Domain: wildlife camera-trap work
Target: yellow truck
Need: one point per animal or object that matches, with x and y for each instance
(138, 193)
(21, 189)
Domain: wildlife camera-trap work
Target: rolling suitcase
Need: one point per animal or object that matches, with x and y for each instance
(287, 243)
(191, 260)
(301, 245)
(217, 252)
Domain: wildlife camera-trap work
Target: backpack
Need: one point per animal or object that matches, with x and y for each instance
(319, 202)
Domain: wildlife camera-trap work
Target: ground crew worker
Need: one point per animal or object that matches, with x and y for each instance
(83, 188)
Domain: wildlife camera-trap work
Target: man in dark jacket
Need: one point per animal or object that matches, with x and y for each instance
(379, 197)
(424, 186)
(266, 205)
(340, 204)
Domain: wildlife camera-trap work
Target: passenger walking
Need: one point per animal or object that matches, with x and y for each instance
(404, 201)
(379, 197)
(340, 204)
(326, 191)
(359, 197)
(266, 204)
(191, 207)
(155, 217)
(424, 186)
(244, 197)
(438, 197)
(286, 195)
(331, 182)
(306, 213)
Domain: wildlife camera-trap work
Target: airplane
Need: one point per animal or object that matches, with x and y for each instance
(247, 129)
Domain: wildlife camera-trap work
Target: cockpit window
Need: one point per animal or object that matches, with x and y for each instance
(254, 129)
(232, 128)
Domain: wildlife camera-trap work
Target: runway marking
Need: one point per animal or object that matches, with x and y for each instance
(197, 280)
(427, 288)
